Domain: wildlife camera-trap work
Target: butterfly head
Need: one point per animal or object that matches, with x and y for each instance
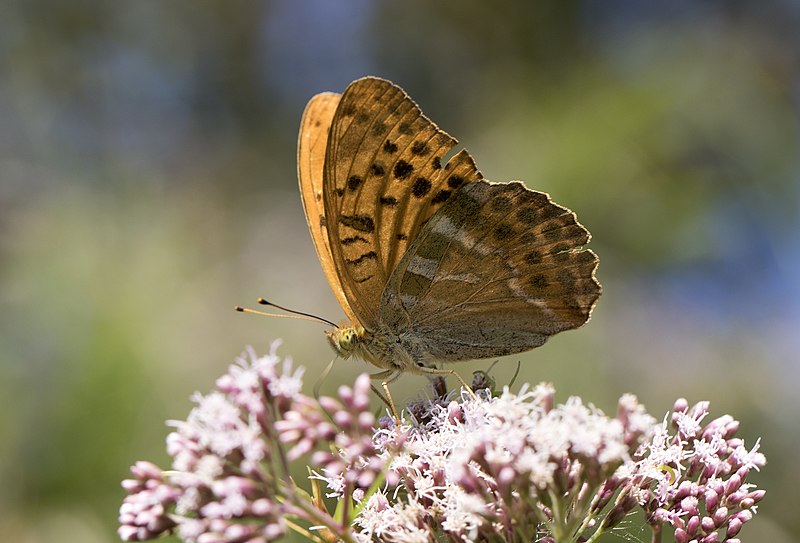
(345, 340)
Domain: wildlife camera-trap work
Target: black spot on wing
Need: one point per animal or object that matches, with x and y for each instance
(419, 148)
(537, 199)
(354, 182)
(551, 231)
(465, 208)
(390, 201)
(585, 257)
(441, 196)
(371, 255)
(421, 187)
(354, 239)
(501, 204)
(538, 281)
(549, 211)
(390, 147)
(376, 168)
(362, 223)
(455, 181)
(503, 232)
(533, 258)
(402, 169)
(527, 215)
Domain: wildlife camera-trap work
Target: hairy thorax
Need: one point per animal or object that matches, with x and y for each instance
(382, 348)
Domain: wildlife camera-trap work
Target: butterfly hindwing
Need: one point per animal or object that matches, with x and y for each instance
(383, 179)
(496, 271)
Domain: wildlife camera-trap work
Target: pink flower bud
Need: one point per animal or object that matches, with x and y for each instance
(712, 500)
(345, 394)
(680, 405)
(757, 495)
(689, 505)
(146, 470)
(735, 498)
(733, 484)
(720, 516)
(693, 525)
(734, 526)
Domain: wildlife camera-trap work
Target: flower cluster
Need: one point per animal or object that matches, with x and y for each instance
(230, 479)
(693, 478)
(511, 467)
(482, 466)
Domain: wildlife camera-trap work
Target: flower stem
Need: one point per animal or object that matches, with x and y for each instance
(657, 530)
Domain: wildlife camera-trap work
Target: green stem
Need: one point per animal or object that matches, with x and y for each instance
(656, 534)
(585, 515)
(302, 531)
(558, 528)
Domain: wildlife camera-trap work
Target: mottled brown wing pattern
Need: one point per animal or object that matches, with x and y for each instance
(383, 179)
(311, 147)
(496, 271)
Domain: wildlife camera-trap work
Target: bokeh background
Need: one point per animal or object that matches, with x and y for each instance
(147, 185)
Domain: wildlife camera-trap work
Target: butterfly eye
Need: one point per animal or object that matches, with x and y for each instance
(347, 340)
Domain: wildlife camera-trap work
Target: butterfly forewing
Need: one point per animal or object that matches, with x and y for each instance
(311, 147)
(383, 179)
(496, 271)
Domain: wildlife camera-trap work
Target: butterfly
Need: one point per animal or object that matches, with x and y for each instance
(430, 262)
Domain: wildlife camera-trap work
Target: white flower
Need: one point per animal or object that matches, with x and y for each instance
(463, 513)
(215, 423)
(751, 459)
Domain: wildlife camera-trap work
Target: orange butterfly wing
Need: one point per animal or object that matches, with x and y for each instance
(384, 177)
(312, 145)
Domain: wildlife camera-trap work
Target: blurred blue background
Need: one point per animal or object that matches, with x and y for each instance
(147, 185)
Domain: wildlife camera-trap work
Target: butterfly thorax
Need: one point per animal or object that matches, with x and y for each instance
(383, 348)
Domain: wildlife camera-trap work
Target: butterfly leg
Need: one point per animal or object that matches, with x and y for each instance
(388, 376)
(438, 371)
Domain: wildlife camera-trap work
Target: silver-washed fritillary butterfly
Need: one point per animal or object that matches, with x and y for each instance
(430, 262)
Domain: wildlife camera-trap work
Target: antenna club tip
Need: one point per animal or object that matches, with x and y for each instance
(238, 308)
(262, 301)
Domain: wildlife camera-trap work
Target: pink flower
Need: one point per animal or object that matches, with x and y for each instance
(497, 466)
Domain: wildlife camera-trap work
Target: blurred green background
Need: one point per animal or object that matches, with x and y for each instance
(147, 185)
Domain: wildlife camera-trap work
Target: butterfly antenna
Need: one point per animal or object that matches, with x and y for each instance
(263, 301)
(297, 314)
